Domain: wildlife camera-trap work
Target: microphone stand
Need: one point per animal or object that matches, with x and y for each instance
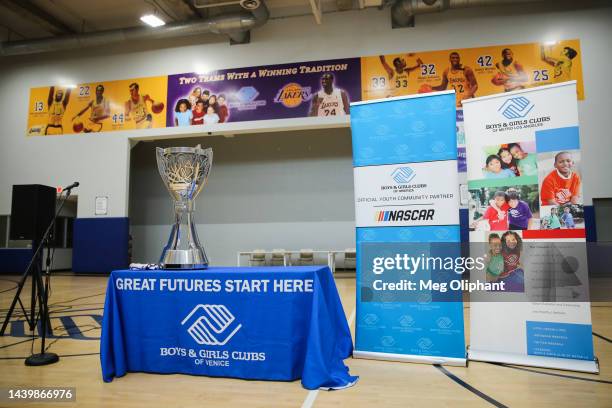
(45, 358)
(42, 358)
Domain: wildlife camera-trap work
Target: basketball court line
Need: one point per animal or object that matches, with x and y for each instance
(602, 337)
(310, 398)
(60, 355)
(351, 318)
(468, 387)
(571, 377)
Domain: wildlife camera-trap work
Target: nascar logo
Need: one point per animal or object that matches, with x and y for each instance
(404, 215)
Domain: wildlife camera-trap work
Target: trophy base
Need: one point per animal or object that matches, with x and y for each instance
(185, 266)
(184, 259)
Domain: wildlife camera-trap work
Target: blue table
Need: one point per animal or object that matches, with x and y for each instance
(268, 323)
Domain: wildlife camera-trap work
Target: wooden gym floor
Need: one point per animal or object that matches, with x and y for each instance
(381, 384)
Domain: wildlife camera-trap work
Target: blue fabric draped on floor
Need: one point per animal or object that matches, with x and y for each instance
(268, 323)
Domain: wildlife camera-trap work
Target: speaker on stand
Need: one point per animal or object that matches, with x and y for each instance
(34, 217)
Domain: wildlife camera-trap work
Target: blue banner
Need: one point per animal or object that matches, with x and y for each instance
(406, 197)
(267, 323)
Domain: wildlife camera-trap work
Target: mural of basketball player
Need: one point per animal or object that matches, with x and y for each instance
(136, 108)
(100, 110)
(460, 77)
(562, 64)
(56, 104)
(329, 101)
(510, 73)
(398, 75)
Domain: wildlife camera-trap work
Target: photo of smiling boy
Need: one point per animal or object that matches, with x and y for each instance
(496, 213)
(552, 221)
(562, 185)
(568, 218)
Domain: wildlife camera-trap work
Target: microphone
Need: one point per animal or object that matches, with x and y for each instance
(70, 187)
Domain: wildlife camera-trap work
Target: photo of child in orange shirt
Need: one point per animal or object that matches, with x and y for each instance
(562, 185)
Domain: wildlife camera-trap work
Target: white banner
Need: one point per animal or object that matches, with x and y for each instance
(406, 195)
(525, 205)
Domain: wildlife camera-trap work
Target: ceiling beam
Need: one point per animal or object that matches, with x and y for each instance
(35, 14)
(194, 10)
(10, 31)
(316, 10)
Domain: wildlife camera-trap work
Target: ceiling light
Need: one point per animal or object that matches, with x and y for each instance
(66, 84)
(152, 20)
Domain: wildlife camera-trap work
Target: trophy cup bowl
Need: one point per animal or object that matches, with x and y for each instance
(184, 171)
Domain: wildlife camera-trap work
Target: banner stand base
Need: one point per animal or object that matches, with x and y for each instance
(410, 358)
(534, 361)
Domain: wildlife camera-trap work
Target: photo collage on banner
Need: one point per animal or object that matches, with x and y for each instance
(526, 217)
(98, 107)
(320, 88)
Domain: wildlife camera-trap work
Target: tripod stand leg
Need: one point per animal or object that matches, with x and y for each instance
(33, 297)
(44, 357)
(42, 295)
(16, 299)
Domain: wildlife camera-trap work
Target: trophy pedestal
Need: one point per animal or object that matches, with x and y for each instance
(184, 259)
(183, 250)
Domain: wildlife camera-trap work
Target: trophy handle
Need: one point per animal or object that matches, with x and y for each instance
(207, 165)
(161, 168)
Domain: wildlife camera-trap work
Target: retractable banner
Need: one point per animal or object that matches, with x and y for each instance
(406, 202)
(527, 220)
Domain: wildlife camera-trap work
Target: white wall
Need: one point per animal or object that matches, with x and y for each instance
(99, 162)
(270, 190)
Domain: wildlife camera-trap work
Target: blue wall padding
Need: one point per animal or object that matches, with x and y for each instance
(464, 224)
(15, 260)
(589, 223)
(100, 244)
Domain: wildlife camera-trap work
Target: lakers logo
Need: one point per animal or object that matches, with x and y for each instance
(293, 94)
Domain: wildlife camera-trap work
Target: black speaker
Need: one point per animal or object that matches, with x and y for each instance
(32, 210)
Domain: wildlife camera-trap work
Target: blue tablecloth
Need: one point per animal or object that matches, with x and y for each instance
(269, 323)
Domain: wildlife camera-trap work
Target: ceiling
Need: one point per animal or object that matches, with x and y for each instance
(31, 19)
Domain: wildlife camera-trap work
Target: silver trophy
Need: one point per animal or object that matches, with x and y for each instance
(184, 171)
